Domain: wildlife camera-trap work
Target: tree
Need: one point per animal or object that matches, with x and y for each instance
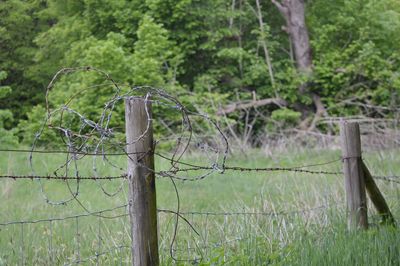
(294, 13)
(234, 51)
(19, 24)
(7, 137)
(356, 55)
(156, 59)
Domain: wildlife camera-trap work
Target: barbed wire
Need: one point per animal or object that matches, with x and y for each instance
(193, 167)
(167, 211)
(52, 219)
(244, 213)
(49, 177)
(100, 213)
(169, 174)
(82, 136)
(392, 179)
(69, 152)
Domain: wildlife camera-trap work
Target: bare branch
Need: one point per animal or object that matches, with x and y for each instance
(264, 43)
(242, 105)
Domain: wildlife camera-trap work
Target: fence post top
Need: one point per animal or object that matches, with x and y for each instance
(344, 122)
(350, 139)
(136, 99)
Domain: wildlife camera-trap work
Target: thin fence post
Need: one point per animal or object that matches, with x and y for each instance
(377, 198)
(141, 178)
(354, 175)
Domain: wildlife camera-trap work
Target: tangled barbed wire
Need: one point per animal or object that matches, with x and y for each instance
(82, 135)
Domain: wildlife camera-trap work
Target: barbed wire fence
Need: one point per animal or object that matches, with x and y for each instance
(98, 140)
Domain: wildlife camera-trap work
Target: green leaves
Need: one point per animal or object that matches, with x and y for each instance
(7, 137)
(156, 59)
(198, 48)
(356, 51)
(286, 115)
(4, 90)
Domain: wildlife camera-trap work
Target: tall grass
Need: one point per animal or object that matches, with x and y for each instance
(298, 219)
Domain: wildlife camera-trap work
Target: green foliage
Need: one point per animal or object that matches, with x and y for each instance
(54, 47)
(356, 52)
(192, 47)
(19, 24)
(4, 90)
(286, 115)
(7, 137)
(155, 60)
(28, 129)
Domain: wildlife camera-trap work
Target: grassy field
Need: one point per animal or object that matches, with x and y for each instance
(296, 218)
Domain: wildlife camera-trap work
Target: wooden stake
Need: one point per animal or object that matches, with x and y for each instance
(377, 198)
(142, 189)
(354, 175)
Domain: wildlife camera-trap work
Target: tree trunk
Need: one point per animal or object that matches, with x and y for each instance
(294, 13)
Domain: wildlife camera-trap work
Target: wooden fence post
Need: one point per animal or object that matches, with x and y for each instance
(354, 175)
(141, 178)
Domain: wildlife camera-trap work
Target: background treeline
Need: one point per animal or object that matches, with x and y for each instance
(209, 53)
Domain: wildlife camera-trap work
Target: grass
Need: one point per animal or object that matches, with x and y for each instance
(315, 236)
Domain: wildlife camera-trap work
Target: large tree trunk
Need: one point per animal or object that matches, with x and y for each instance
(294, 13)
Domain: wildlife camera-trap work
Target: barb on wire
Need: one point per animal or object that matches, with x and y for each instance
(284, 169)
(213, 168)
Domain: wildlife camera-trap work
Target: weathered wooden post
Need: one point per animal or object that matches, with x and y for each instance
(354, 175)
(141, 178)
(377, 198)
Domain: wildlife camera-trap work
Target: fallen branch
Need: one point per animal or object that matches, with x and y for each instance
(242, 105)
